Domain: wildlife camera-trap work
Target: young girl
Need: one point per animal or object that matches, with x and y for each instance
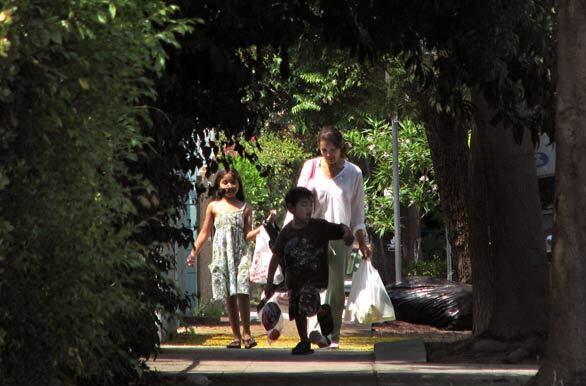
(231, 217)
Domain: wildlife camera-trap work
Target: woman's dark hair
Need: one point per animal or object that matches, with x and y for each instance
(295, 194)
(334, 136)
(219, 193)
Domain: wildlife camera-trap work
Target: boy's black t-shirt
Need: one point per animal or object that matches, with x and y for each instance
(303, 253)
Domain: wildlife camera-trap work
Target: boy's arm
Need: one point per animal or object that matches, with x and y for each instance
(348, 236)
(335, 231)
(269, 288)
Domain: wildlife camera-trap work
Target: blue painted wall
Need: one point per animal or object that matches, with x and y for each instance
(185, 276)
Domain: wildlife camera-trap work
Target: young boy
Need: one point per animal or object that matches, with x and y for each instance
(302, 251)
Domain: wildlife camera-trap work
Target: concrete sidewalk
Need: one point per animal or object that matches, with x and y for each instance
(400, 363)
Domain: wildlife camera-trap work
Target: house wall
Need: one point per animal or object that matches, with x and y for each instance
(205, 257)
(185, 277)
(545, 168)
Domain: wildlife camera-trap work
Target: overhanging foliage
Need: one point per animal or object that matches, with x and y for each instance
(78, 286)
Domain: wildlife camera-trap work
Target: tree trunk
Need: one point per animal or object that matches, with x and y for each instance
(509, 265)
(449, 153)
(565, 357)
(381, 260)
(410, 234)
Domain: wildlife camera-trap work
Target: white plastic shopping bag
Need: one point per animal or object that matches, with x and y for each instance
(261, 259)
(368, 301)
(272, 319)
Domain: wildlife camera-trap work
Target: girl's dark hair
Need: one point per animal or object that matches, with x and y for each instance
(219, 193)
(334, 136)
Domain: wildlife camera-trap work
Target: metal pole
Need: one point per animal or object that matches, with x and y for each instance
(396, 204)
(448, 255)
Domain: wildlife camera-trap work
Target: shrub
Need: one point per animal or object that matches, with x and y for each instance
(434, 267)
(78, 285)
(279, 157)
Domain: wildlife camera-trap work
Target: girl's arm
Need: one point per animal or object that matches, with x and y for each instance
(203, 234)
(251, 234)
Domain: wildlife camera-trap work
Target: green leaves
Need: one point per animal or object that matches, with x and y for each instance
(304, 106)
(278, 157)
(255, 187)
(434, 267)
(112, 10)
(101, 17)
(84, 83)
(417, 187)
(74, 81)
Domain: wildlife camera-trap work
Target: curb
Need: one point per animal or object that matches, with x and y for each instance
(405, 351)
(201, 320)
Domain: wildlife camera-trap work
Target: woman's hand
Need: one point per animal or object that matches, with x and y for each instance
(365, 250)
(363, 245)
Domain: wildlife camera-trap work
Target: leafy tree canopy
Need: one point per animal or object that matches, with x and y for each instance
(506, 51)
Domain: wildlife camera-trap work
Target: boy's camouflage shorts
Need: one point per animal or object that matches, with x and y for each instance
(304, 301)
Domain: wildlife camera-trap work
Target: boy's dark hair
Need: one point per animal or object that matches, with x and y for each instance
(297, 193)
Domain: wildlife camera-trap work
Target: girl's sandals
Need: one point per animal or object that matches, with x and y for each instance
(234, 344)
(249, 343)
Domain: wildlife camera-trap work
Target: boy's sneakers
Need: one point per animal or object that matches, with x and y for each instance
(325, 320)
(302, 348)
(320, 340)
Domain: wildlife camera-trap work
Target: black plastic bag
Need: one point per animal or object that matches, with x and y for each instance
(273, 232)
(436, 302)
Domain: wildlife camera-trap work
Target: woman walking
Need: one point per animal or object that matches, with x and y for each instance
(339, 198)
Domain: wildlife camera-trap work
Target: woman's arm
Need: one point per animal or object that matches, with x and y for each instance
(203, 234)
(305, 173)
(363, 243)
(358, 221)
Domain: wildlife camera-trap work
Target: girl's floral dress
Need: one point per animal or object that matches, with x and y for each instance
(230, 258)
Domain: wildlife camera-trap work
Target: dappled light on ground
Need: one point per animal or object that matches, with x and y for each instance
(215, 338)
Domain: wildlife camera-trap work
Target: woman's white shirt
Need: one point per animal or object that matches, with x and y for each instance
(340, 199)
